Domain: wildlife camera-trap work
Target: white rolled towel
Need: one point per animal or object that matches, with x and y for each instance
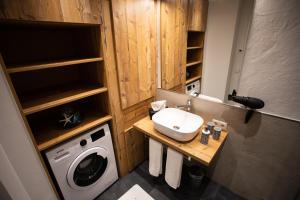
(173, 168)
(159, 105)
(155, 157)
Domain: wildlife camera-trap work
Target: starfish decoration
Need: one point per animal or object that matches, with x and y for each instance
(67, 119)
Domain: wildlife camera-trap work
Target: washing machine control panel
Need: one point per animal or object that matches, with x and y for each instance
(97, 135)
(193, 88)
(93, 137)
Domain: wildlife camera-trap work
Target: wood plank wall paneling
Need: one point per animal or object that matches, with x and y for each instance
(197, 16)
(74, 11)
(111, 71)
(127, 155)
(173, 42)
(135, 143)
(135, 41)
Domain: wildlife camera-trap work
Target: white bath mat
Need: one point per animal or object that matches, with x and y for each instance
(136, 193)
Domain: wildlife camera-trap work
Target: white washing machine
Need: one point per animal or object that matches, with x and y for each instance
(193, 89)
(84, 166)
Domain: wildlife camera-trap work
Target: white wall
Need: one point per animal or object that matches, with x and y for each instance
(271, 69)
(242, 29)
(9, 177)
(222, 18)
(22, 173)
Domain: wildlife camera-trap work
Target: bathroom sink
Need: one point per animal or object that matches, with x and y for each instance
(177, 124)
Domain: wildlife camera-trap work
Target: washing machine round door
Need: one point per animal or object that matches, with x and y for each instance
(87, 168)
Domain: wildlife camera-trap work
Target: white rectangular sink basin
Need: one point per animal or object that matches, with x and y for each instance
(177, 124)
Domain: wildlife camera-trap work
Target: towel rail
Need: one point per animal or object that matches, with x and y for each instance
(189, 158)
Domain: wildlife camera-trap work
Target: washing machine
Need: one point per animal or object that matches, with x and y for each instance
(84, 166)
(193, 89)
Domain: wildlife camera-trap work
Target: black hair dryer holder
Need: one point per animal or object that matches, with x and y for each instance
(251, 104)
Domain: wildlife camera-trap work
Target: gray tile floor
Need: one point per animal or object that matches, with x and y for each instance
(159, 190)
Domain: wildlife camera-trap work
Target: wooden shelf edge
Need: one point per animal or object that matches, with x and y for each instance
(61, 101)
(128, 129)
(197, 31)
(193, 63)
(194, 47)
(192, 79)
(72, 133)
(53, 64)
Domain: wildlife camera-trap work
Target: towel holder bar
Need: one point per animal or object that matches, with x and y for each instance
(189, 158)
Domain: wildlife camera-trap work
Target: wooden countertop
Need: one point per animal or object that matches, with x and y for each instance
(194, 149)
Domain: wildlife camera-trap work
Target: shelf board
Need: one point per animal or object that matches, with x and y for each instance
(193, 63)
(49, 135)
(59, 97)
(194, 47)
(52, 64)
(196, 31)
(192, 79)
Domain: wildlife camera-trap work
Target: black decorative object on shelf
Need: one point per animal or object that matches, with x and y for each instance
(188, 74)
(69, 118)
(251, 103)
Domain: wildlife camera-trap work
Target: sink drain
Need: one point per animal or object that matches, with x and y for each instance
(176, 127)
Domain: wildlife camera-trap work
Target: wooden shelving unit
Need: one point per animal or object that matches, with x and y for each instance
(188, 81)
(58, 98)
(52, 67)
(50, 135)
(194, 56)
(52, 64)
(193, 63)
(195, 47)
(195, 38)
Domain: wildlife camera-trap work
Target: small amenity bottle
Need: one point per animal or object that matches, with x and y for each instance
(210, 126)
(217, 133)
(204, 136)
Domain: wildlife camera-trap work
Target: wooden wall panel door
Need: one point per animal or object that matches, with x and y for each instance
(135, 43)
(135, 146)
(173, 15)
(127, 157)
(74, 11)
(197, 15)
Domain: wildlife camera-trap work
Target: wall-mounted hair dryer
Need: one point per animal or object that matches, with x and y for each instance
(250, 102)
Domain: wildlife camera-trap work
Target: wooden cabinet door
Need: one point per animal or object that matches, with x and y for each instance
(74, 11)
(135, 147)
(197, 15)
(173, 14)
(135, 43)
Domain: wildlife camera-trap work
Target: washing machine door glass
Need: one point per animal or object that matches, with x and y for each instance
(87, 168)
